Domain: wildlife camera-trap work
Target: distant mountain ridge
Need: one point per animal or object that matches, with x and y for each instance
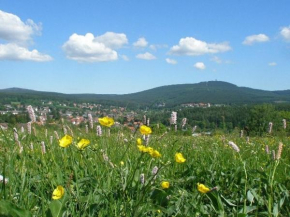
(216, 92)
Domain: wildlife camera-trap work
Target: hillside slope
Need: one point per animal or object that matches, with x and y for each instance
(216, 92)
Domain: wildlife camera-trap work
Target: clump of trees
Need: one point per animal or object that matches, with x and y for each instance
(253, 120)
(14, 119)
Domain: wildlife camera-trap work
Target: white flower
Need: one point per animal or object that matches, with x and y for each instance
(234, 146)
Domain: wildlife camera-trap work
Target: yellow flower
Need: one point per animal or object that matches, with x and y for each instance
(155, 154)
(83, 143)
(149, 150)
(144, 130)
(106, 121)
(202, 188)
(179, 158)
(122, 163)
(58, 193)
(142, 148)
(139, 141)
(65, 141)
(165, 184)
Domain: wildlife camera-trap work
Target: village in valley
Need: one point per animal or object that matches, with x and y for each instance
(74, 113)
(51, 112)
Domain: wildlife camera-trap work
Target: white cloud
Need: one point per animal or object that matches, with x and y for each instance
(112, 40)
(285, 32)
(199, 65)
(157, 46)
(124, 57)
(146, 56)
(171, 61)
(272, 64)
(12, 29)
(140, 43)
(193, 47)
(249, 40)
(19, 36)
(14, 52)
(86, 48)
(216, 59)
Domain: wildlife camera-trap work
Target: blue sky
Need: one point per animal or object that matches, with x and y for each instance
(119, 47)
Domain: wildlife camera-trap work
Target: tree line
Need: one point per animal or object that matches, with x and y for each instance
(252, 119)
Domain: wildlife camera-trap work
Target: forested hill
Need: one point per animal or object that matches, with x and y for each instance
(216, 92)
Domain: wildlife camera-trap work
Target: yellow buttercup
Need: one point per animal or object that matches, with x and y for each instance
(58, 193)
(106, 121)
(65, 141)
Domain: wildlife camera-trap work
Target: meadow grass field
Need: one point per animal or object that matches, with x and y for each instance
(118, 174)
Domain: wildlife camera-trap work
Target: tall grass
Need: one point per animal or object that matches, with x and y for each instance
(104, 178)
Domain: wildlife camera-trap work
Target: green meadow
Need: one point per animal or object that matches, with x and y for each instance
(113, 176)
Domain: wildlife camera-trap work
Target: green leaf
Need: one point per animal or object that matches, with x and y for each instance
(216, 201)
(257, 197)
(250, 209)
(250, 197)
(7, 209)
(227, 201)
(56, 208)
(275, 209)
(281, 202)
(159, 196)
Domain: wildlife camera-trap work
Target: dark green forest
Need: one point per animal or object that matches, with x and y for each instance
(214, 92)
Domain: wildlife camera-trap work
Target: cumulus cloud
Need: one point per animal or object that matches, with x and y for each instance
(249, 40)
(141, 42)
(146, 56)
(199, 65)
(112, 40)
(193, 47)
(12, 29)
(171, 61)
(18, 36)
(272, 64)
(87, 48)
(14, 52)
(285, 32)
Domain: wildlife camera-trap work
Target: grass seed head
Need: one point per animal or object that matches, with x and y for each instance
(279, 151)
